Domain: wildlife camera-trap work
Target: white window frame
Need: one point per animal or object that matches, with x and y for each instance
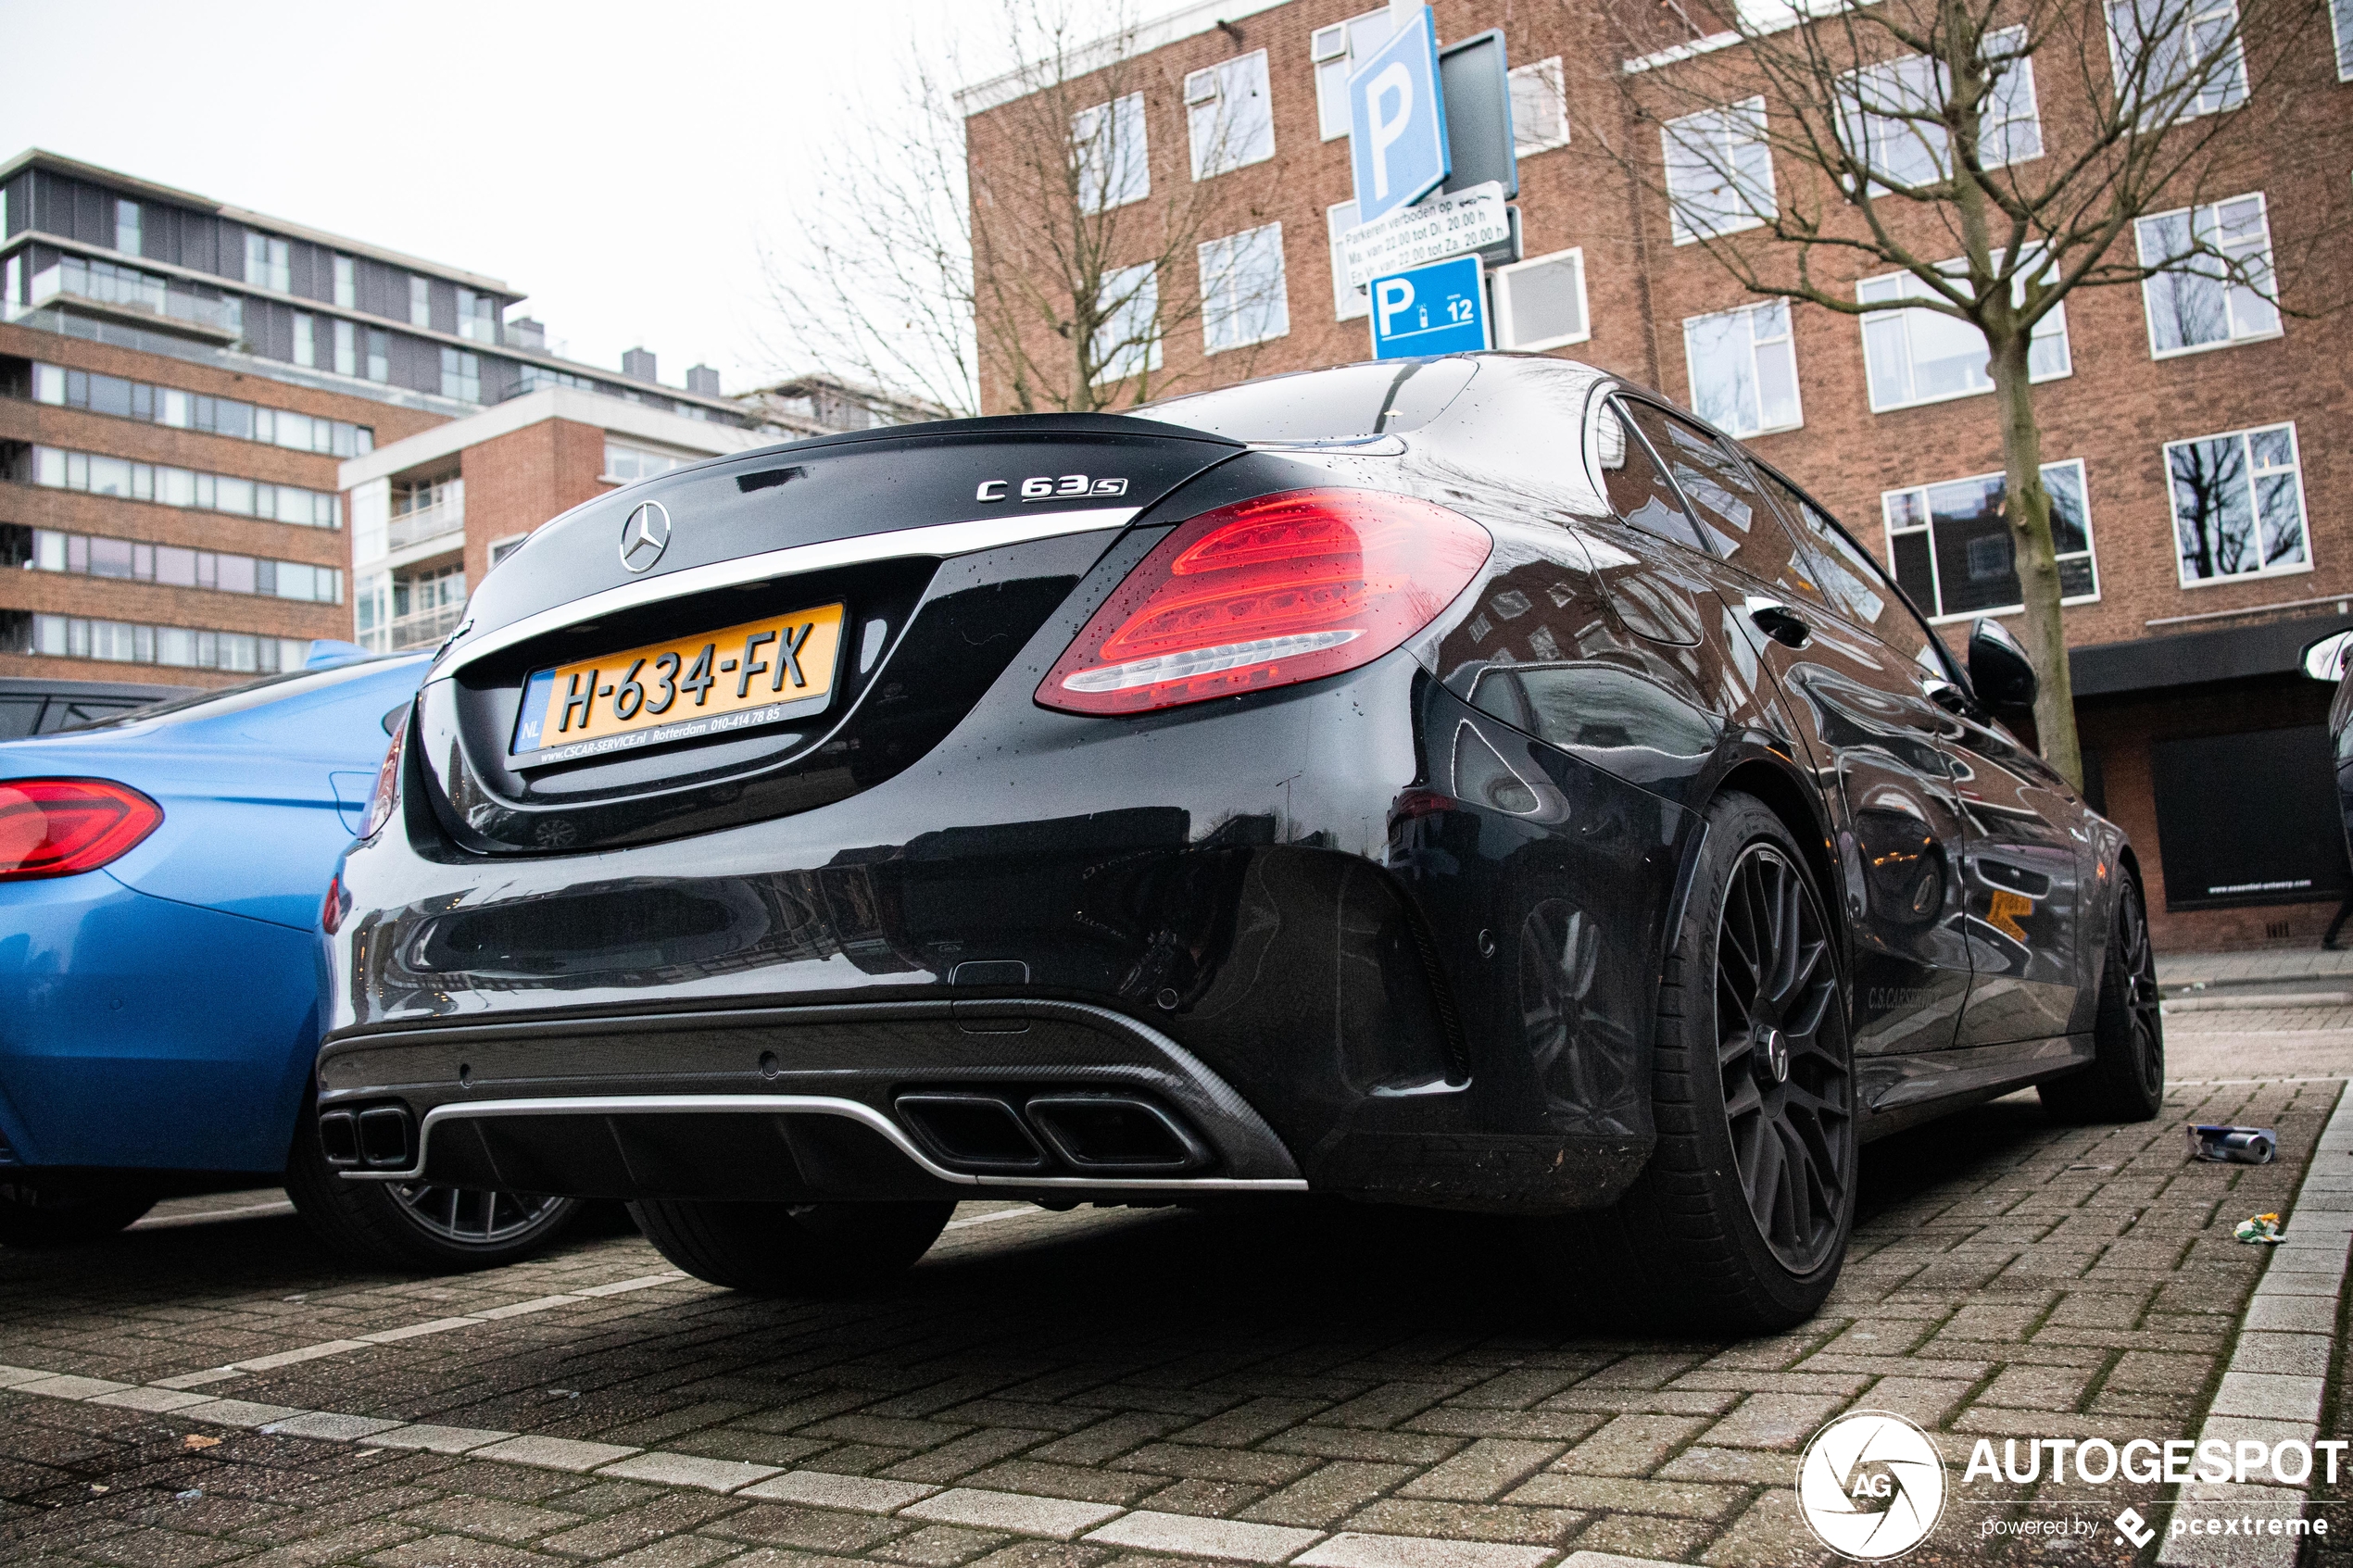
(2193, 12)
(2340, 36)
(1208, 122)
(2233, 338)
(1503, 277)
(1134, 359)
(306, 340)
(136, 229)
(612, 475)
(2303, 501)
(1857, 124)
(1333, 52)
(1718, 124)
(2051, 328)
(1788, 336)
(1348, 304)
(1888, 533)
(1124, 176)
(499, 549)
(1217, 260)
(1552, 83)
(419, 301)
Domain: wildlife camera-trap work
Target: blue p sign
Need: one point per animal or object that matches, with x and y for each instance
(1397, 122)
(1440, 308)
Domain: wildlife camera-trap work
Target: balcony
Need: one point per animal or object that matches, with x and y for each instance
(426, 628)
(137, 296)
(427, 524)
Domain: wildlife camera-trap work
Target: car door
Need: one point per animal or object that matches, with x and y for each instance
(1872, 732)
(2028, 837)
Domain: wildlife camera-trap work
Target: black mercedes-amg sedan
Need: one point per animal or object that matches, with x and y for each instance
(1468, 783)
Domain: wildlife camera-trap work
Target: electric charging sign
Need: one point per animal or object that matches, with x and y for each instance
(1440, 308)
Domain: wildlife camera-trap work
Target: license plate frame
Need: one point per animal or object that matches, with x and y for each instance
(731, 663)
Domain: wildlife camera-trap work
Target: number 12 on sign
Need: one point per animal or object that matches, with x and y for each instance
(1440, 308)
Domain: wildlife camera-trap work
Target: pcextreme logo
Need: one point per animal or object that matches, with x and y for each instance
(1871, 1485)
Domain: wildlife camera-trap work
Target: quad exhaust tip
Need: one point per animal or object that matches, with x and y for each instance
(1094, 1134)
(382, 1137)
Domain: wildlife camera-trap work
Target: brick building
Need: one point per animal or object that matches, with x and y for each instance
(2202, 738)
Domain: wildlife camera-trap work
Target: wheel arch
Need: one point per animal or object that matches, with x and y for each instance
(1798, 806)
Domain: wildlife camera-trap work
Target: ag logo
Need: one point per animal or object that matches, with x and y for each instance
(1870, 1485)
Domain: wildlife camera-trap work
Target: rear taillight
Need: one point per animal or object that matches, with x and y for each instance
(61, 827)
(387, 791)
(1268, 592)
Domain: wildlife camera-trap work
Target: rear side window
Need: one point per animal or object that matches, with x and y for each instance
(1849, 577)
(1639, 491)
(1732, 511)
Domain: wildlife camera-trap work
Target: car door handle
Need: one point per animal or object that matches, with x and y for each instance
(1777, 620)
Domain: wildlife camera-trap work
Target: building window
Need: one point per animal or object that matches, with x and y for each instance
(268, 264)
(186, 410)
(1126, 341)
(2214, 283)
(1952, 548)
(1744, 369)
(1539, 108)
(2341, 29)
(477, 317)
(1335, 51)
(138, 560)
(1541, 303)
(126, 228)
(501, 549)
(379, 355)
(71, 637)
(1114, 166)
(102, 475)
(346, 283)
(1889, 113)
(624, 463)
(346, 349)
(1720, 172)
(420, 303)
(1351, 304)
(2180, 57)
(461, 375)
(1243, 297)
(2238, 505)
(1916, 355)
(306, 342)
(1228, 116)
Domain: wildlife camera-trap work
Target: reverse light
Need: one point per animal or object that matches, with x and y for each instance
(387, 791)
(62, 827)
(1267, 593)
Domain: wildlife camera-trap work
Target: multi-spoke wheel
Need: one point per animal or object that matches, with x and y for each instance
(470, 1215)
(1784, 1075)
(2126, 1080)
(1740, 1222)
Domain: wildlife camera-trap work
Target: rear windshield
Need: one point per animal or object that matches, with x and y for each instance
(1352, 402)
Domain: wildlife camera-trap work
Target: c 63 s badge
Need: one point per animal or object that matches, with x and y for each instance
(1050, 487)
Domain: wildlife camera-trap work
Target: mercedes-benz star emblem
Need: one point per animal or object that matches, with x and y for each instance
(645, 536)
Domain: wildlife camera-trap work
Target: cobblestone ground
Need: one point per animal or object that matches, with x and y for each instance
(1131, 1386)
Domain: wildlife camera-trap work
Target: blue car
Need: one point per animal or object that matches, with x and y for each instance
(162, 876)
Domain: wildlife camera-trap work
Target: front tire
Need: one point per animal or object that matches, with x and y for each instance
(62, 1211)
(416, 1226)
(792, 1249)
(1739, 1223)
(2126, 1080)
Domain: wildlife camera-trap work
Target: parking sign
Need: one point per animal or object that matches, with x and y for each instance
(1440, 308)
(1397, 122)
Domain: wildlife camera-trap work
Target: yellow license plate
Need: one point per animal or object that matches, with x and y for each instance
(780, 667)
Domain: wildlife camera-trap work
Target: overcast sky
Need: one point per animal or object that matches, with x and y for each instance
(617, 163)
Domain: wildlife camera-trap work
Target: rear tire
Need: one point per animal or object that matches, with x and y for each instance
(2126, 1080)
(1740, 1222)
(416, 1226)
(64, 1212)
(792, 1249)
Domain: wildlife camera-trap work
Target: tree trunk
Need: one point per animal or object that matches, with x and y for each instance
(2028, 506)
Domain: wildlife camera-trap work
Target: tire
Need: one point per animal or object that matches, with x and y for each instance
(1739, 1223)
(2126, 1080)
(64, 1212)
(416, 1226)
(792, 1249)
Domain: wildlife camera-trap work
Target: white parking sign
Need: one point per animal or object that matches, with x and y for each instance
(1396, 122)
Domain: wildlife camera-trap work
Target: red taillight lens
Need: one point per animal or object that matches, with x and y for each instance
(60, 827)
(387, 791)
(1267, 593)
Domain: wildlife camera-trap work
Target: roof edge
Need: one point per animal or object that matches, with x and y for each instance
(1188, 21)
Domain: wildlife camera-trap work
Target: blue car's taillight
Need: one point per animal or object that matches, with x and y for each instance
(61, 827)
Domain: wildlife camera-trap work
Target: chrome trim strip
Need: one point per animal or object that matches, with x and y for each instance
(800, 1105)
(936, 539)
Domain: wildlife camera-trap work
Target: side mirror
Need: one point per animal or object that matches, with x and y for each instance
(2324, 661)
(1998, 667)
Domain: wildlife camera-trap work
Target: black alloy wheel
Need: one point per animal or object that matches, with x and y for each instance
(472, 1216)
(1785, 1088)
(2126, 1079)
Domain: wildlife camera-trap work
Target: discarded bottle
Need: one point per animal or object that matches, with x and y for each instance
(2233, 1146)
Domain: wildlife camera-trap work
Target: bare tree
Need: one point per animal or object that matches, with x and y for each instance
(1994, 156)
(1037, 256)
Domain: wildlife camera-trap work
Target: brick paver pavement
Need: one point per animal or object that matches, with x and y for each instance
(1129, 1386)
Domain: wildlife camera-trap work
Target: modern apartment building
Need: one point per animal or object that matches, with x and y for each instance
(2198, 440)
(179, 381)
